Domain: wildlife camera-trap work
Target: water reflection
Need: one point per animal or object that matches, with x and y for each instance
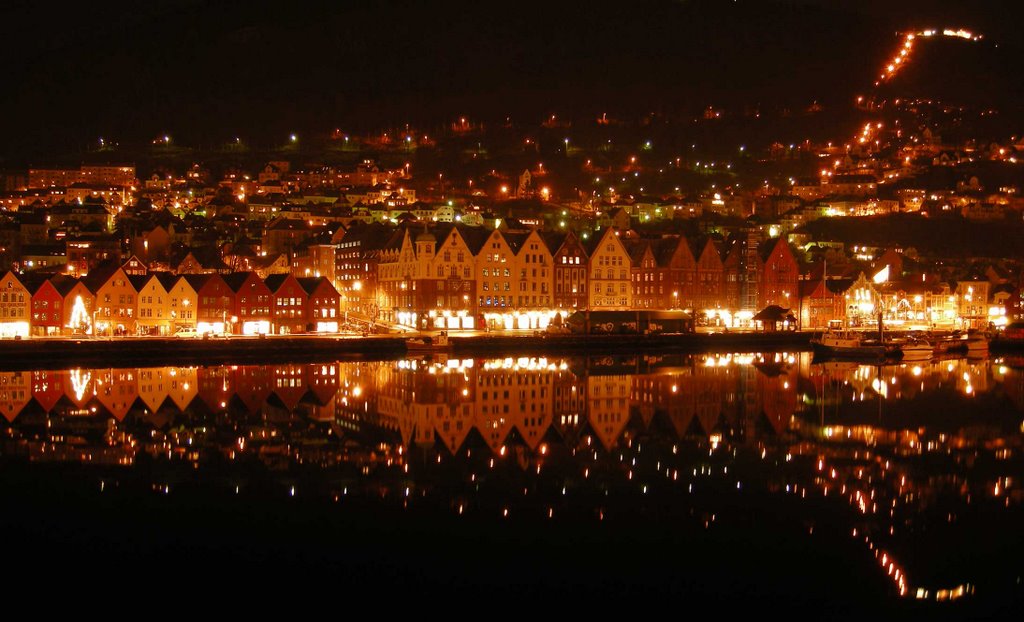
(920, 457)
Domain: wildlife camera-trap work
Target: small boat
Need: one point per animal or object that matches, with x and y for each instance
(428, 343)
(916, 350)
(973, 344)
(853, 344)
(977, 344)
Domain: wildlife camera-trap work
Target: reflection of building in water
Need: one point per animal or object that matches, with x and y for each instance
(357, 402)
(48, 387)
(153, 385)
(216, 387)
(514, 394)
(569, 403)
(15, 392)
(608, 406)
(116, 389)
(253, 384)
(777, 393)
(289, 382)
(323, 387)
(80, 387)
(183, 385)
(397, 393)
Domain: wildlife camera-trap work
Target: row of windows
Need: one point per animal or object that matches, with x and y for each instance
(611, 274)
(609, 261)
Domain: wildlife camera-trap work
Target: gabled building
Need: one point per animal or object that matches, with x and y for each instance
(569, 271)
(609, 273)
(215, 310)
(647, 275)
(47, 307)
(822, 301)
(154, 308)
(77, 305)
(116, 304)
(495, 293)
(427, 284)
(708, 291)
(447, 292)
(252, 304)
(323, 305)
(15, 307)
(288, 302)
(183, 301)
(534, 276)
(778, 274)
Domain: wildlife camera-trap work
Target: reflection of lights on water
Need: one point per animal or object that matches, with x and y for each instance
(80, 382)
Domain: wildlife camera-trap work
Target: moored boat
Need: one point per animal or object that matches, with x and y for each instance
(428, 343)
(853, 344)
(916, 350)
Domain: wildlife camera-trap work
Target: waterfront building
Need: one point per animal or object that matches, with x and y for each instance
(182, 302)
(609, 273)
(15, 307)
(115, 296)
(154, 308)
(251, 303)
(288, 303)
(215, 311)
(569, 271)
(323, 304)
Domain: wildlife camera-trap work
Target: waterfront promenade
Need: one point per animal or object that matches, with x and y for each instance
(57, 352)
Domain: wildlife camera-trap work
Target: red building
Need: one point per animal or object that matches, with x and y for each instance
(570, 271)
(778, 274)
(47, 313)
(323, 305)
(252, 303)
(289, 304)
(215, 310)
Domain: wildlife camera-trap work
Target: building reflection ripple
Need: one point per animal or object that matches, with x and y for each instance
(920, 462)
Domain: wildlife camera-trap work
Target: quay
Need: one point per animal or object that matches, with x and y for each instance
(42, 353)
(53, 353)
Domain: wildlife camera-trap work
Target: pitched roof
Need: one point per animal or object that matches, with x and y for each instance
(99, 275)
(275, 281)
(236, 280)
(311, 283)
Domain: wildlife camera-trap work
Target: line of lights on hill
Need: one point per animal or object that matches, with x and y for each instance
(903, 56)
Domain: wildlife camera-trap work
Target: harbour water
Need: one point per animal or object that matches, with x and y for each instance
(839, 485)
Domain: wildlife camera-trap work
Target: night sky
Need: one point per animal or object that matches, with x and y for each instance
(208, 71)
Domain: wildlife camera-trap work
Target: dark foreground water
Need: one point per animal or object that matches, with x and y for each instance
(727, 481)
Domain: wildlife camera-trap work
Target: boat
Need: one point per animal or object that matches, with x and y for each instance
(428, 344)
(916, 349)
(977, 344)
(973, 344)
(853, 344)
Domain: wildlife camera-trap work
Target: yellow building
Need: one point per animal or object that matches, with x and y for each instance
(532, 278)
(609, 273)
(154, 311)
(182, 299)
(116, 306)
(495, 292)
(15, 307)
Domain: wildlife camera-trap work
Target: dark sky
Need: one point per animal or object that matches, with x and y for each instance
(205, 70)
